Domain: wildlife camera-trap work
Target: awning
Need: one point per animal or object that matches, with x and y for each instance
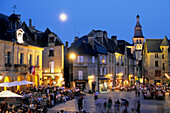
(104, 78)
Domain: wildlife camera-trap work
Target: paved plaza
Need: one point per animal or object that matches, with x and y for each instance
(147, 106)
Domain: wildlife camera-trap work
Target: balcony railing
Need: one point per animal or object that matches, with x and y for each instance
(80, 64)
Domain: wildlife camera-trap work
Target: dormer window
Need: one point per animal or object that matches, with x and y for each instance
(51, 39)
(20, 34)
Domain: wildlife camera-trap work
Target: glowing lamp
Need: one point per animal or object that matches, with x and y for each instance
(72, 56)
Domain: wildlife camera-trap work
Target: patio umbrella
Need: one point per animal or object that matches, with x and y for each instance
(9, 94)
(7, 84)
(16, 83)
(24, 82)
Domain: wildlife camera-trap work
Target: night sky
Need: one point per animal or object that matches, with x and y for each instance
(117, 17)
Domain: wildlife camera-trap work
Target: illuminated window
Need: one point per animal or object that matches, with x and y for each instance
(80, 75)
(80, 59)
(93, 59)
(20, 58)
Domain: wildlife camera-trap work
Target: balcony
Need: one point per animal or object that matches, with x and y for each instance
(80, 64)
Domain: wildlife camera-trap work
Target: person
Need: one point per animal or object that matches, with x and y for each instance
(80, 104)
(138, 107)
(105, 103)
(109, 103)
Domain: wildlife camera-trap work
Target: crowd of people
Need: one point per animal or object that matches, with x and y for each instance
(38, 99)
(154, 91)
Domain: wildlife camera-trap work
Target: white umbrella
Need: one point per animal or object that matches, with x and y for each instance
(9, 94)
(16, 83)
(7, 84)
(24, 82)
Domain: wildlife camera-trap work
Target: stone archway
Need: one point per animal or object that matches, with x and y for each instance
(7, 79)
(36, 80)
(29, 79)
(20, 78)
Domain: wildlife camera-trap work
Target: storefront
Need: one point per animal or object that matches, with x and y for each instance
(53, 79)
(81, 85)
(103, 84)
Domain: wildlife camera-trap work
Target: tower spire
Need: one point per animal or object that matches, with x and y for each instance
(138, 29)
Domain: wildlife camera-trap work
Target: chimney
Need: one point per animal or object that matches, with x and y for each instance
(66, 44)
(91, 41)
(75, 38)
(30, 22)
(114, 38)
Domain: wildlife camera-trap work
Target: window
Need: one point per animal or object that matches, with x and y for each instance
(51, 65)
(137, 41)
(163, 67)
(93, 59)
(37, 60)
(104, 71)
(80, 59)
(156, 63)
(157, 73)
(80, 75)
(101, 71)
(140, 41)
(162, 48)
(51, 52)
(20, 58)
(30, 59)
(156, 55)
(104, 60)
(162, 56)
(8, 56)
(101, 59)
(51, 39)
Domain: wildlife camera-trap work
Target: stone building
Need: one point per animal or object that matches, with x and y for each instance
(52, 55)
(136, 49)
(19, 53)
(155, 60)
(99, 60)
(53, 58)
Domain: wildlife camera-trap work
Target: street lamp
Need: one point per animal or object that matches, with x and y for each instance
(72, 56)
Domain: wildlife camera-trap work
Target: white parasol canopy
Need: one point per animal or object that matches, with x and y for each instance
(7, 84)
(9, 94)
(16, 83)
(24, 82)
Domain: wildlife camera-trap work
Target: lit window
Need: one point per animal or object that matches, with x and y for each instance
(93, 59)
(80, 75)
(80, 59)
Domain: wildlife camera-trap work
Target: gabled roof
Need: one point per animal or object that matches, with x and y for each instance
(153, 45)
(44, 39)
(165, 42)
(9, 34)
(83, 47)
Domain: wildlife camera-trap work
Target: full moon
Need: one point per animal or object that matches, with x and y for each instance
(63, 17)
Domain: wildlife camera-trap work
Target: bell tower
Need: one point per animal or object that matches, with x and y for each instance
(138, 39)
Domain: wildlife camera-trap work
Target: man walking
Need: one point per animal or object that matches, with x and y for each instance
(138, 107)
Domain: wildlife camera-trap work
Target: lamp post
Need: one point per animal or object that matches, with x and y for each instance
(12, 70)
(72, 56)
